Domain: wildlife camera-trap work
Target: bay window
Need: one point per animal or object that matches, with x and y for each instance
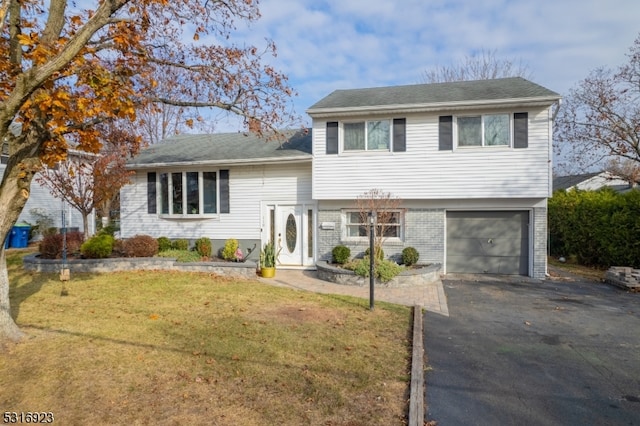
(188, 193)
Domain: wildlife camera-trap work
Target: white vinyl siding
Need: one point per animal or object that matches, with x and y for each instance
(248, 187)
(425, 172)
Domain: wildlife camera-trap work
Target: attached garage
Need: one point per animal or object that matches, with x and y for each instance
(489, 242)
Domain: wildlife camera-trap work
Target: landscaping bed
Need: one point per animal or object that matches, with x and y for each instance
(416, 275)
(34, 262)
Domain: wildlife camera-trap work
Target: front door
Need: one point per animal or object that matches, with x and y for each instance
(292, 230)
(289, 235)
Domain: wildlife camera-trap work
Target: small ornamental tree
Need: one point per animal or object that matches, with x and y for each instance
(386, 211)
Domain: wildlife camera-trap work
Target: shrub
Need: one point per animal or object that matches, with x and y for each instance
(140, 246)
(341, 254)
(410, 256)
(384, 270)
(379, 252)
(74, 241)
(51, 245)
(204, 247)
(118, 248)
(180, 244)
(598, 228)
(108, 230)
(97, 247)
(164, 244)
(184, 256)
(230, 248)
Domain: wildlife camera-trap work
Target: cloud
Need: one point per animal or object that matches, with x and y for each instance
(328, 45)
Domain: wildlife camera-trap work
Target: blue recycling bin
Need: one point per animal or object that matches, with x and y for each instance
(20, 235)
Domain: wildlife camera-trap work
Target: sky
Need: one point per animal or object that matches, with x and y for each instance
(325, 45)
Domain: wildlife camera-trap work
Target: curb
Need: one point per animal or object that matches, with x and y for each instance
(416, 399)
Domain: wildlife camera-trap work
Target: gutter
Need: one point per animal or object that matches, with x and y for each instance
(235, 162)
(430, 107)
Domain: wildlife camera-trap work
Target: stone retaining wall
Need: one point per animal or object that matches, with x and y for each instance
(245, 270)
(407, 278)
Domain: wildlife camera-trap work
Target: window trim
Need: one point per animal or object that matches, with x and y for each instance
(366, 136)
(482, 131)
(344, 234)
(160, 203)
(335, 137)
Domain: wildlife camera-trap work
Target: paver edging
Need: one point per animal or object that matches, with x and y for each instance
(416, 396)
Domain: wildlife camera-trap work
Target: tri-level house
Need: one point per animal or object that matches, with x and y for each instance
(470, 162)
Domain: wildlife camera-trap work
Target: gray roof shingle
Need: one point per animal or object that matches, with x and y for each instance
(224, 148)
(435, 93)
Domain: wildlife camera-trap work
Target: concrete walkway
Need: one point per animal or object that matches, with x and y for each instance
(430, 296)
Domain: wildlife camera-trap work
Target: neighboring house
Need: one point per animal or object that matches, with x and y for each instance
(41, 202)
(591, 182)
(471, 162)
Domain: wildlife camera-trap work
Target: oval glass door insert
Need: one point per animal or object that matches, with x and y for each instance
(291, 233)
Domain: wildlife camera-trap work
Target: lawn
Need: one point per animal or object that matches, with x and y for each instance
(187, 348)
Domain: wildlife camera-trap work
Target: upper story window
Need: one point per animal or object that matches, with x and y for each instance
(484, 130)
(188, 194)
(373, 135)
(367, 136)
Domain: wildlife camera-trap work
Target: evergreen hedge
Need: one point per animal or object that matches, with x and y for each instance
(598, 228)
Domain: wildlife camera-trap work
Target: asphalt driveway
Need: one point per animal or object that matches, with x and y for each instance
(527, 352)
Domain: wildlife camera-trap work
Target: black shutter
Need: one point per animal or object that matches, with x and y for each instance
(332, 137)
(520, 130)
(399, 134)
(224, 191)
(445, 138)
(151, 193)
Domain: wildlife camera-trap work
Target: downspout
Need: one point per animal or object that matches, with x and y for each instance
(555, 113)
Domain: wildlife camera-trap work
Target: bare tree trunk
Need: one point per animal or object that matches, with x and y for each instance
(8, 328)
(85, 225)
(14, 192)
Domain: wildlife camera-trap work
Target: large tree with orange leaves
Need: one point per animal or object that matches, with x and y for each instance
(67, 69)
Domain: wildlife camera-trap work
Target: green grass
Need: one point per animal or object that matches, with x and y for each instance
(186, 348)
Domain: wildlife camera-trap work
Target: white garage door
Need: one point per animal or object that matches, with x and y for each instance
(490, 242)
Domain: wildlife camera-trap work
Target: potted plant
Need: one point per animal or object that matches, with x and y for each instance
(268, 258)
